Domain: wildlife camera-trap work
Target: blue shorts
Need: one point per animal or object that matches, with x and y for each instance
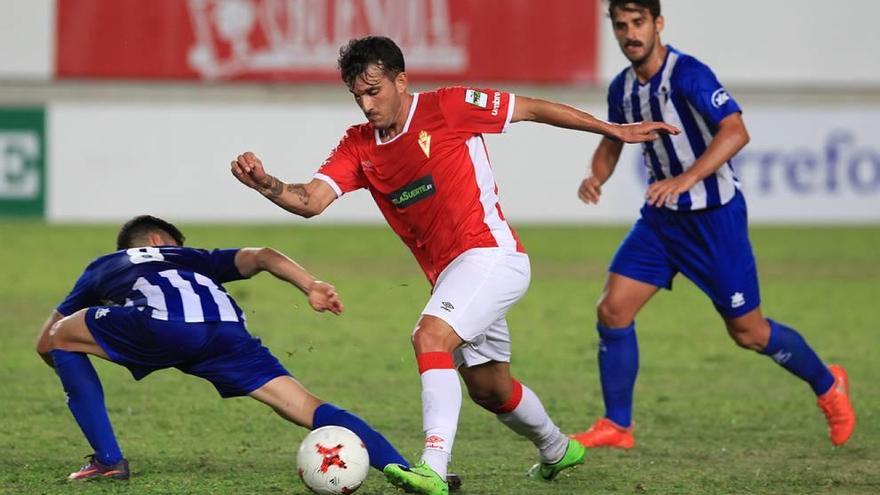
(224, 353)
(709, 247)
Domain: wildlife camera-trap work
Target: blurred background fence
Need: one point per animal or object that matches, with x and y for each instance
(110, 108)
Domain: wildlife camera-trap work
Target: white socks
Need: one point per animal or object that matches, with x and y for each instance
(524, 414)
(441, 404)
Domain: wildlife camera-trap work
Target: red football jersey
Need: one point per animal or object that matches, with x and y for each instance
(432, 182)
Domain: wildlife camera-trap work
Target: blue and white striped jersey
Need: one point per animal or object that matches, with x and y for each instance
(686, 94)
(174, 283)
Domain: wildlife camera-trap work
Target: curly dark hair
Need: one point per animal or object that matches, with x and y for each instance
(143, 225)
(652, 6)
(359, 53)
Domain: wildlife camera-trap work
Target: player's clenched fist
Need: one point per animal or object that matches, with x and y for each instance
(248, 169)
(590, 190)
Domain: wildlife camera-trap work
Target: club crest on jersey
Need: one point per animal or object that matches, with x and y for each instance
(413, 192)
(425, 143)
(476, 98)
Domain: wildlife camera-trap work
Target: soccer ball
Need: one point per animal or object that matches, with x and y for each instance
(332, 460)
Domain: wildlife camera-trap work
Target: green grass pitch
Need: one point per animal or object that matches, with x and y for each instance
(710, 418)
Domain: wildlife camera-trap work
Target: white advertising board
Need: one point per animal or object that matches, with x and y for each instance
(111, 161)
(27, 39)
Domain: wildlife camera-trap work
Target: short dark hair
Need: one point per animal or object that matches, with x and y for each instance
(359, 53)
(141, 226)
(652, 6)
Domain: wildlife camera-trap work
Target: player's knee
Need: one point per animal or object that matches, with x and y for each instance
(746, 338)
(432, 337)
(43, 347)
(749, 333)
(612, 315)
(55, 338)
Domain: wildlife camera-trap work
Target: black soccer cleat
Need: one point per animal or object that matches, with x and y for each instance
(454, 482)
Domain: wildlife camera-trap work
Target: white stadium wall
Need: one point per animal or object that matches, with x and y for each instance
(111, 161)
(27, 43)
(770, 43)
(808, 77)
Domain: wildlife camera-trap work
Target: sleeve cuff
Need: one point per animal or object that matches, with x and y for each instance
(510, 106)
(332, 183)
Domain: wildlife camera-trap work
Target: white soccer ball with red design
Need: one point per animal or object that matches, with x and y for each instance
(332, 460)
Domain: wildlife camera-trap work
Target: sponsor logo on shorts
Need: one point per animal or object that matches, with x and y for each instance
(101, 312)
(413, 192)
(737, 300)
(447, 306)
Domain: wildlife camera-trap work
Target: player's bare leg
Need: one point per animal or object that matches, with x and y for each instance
(749, 331)
(72, 334)
(789, 349)
(622, 298)
(492, 387)
(69, 341)
(289, 399)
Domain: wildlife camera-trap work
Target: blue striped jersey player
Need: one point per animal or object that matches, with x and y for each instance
(155, 304)
(693, 222)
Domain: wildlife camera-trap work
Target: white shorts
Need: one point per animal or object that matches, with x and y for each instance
(473, 295)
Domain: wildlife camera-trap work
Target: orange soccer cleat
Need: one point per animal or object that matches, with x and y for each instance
(606, 433)
(837, 408)
(94, 469)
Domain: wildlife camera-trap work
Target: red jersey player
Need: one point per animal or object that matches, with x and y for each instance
(423, 159)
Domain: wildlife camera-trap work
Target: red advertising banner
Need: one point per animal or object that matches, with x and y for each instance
(299, 40)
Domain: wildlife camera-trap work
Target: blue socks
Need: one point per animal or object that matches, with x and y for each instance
(618, 367)
(381, 451)
(792, 352)
(85, 398)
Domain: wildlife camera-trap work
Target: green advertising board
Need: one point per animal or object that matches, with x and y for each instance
(22, 161)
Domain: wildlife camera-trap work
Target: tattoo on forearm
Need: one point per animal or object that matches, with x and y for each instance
(274, 188)
(300, 191)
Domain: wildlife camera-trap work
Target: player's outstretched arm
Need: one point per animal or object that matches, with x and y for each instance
(559, 115)
(322, 296)
(305, 200)
(604, 161)
(43, 339)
